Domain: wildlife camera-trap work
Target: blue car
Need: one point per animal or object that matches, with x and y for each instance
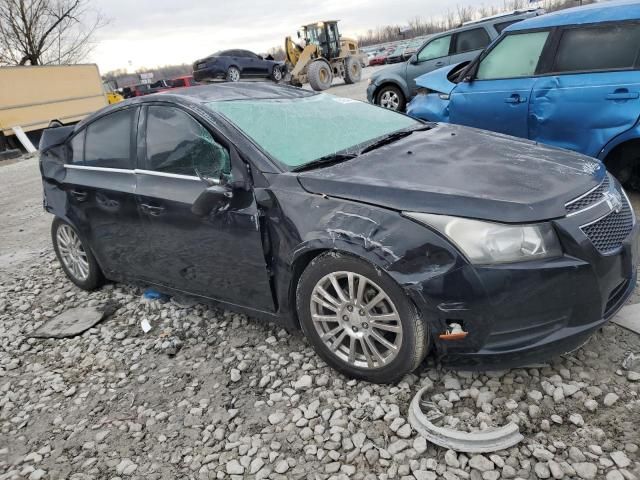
(569, 79)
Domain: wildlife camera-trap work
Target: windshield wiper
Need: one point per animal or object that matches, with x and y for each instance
(326, 161)
(392, 137)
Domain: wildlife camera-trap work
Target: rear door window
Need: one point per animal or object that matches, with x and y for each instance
(177, 142)
(108, 142)
(435, 49)
(514, 56)
(604, 47)
(470, 40)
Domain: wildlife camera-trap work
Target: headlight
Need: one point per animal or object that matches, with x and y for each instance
(487, 242)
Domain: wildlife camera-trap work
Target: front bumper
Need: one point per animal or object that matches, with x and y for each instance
(519, 314)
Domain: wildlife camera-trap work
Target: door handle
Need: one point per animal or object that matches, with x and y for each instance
(515, 98)
(79, 195)
(439, 64)
(152, 209)
(623, 94)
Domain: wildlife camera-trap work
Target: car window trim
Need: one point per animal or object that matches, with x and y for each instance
(493, 45)
(99, 169)
(137, 171)
(142, 171)
(560, 32)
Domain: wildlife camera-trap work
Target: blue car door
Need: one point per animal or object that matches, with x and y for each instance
(497, 98)
(594, 92)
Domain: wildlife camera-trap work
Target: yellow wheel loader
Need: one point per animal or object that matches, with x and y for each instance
(322, 55)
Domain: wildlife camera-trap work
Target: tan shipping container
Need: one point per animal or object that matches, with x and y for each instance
(31, 97)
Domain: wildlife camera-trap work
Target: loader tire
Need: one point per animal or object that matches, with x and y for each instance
(352, 70)
(320, 75)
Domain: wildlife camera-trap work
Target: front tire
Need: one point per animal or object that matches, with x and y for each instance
(391, 97)
(359, 320)
(233, 74)
(75, 257)
(352, 70)
(276, 75)
(320, 75)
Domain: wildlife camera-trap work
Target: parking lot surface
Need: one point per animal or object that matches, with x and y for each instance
(208, 393)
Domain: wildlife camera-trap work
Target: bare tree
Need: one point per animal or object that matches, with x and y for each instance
(43, 32)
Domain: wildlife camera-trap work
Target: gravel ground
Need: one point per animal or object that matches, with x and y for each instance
(211, 394)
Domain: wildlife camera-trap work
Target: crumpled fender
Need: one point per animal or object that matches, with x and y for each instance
(431, 107)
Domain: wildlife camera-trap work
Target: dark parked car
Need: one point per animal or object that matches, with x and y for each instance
(233, 65)
(364, 231)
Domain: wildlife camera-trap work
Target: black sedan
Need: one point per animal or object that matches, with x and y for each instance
(381, 237)
(234, 65)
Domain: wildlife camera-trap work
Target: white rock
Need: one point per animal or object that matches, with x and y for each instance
(233, 467)
(276, 417)
(610, 399)
(621, 459)
(481, 463)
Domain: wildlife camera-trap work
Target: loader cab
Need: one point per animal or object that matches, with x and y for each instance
(325, 35)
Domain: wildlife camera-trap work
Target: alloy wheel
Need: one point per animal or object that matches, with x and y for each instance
(277, 74)
(356, 320)
(72, 253)
(389, 99)
(234, 75)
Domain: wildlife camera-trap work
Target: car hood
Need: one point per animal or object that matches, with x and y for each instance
(461, 171)
(438, 80)
(395, 69)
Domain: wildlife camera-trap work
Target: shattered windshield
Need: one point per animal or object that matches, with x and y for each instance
(298, 131)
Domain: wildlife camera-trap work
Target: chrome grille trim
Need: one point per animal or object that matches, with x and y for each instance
(589, 199)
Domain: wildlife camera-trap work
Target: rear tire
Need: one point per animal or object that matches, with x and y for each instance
(378, 342)
(391, 97)
(75, 257)
(320, 75)
(233, 74)
(352, 70)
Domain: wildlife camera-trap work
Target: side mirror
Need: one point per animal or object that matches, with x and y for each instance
(414, 59)
(213, 198)
(298, 32)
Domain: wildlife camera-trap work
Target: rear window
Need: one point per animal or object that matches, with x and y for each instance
(611, 47)
(470, 40)
(108, 142)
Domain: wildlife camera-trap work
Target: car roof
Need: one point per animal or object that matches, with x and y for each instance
(217, 92)
(612, 11)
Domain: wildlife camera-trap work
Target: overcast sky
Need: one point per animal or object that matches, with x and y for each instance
(149, 33)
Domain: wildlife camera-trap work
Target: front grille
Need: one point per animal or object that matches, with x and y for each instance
(591, 197)
(608, 233)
